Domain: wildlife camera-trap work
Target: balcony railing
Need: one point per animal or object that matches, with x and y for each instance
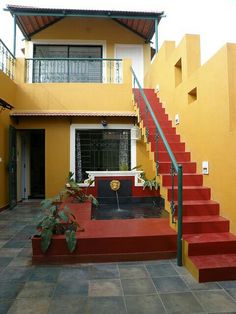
(73, 70)
(7, 60)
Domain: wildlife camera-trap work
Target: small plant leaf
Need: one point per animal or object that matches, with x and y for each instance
(71, 240)
(53, 209)
(46, 237)
(63, 216)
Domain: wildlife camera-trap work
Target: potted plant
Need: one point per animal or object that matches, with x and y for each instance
(57, 220)
(152, 184)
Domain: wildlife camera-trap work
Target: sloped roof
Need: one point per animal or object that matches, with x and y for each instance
(71, 113)
(32, 20)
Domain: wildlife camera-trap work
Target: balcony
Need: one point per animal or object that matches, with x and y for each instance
(7, 61)
(74, 70)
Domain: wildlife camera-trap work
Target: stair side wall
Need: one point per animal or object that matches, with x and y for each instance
(205, 101)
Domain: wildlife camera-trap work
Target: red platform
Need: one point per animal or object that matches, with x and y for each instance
(111, 240)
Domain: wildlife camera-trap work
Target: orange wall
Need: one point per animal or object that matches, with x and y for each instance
(207, 124)
(7, 93)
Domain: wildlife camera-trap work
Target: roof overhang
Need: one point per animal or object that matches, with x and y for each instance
(69, 113)
(32, 20)
(5, 105)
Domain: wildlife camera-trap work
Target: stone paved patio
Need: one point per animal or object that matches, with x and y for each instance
(149, 287)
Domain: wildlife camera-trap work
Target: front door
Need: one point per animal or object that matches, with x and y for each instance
(12, 167)
(135, 53)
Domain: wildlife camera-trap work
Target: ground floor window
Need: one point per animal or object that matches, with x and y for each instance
(101, 150)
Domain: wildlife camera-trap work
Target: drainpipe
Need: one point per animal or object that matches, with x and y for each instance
(156, 35)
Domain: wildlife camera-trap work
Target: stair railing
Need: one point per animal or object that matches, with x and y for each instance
(175, 167)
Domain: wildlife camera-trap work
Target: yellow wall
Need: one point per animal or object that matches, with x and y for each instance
(7, 93)
(207, 125)
(74, 96)
(92, 29)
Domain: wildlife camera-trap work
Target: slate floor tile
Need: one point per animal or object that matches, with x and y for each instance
(103, 271)
(69, 274)
(47, 274)
(109, 305)
(169, 284)
(138, 286)
(216, 301)
(158, 270)
(5, 305)
(147, 304)
(105, 288)
(67, 288)
(64, 305)
(15, 274)
(36, 289)
(182, 303)
(30, 306)
(9, 290)
(133, 271)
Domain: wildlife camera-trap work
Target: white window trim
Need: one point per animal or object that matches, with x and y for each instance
(75, 127)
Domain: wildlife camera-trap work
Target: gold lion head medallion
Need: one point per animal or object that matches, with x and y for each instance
(115, 185)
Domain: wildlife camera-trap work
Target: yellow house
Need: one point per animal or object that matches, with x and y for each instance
(76, 106)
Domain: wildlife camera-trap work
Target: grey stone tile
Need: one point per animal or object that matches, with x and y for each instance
(158, 270)
(182, 303)
(75, 305)
(4, 261)
(147, 304)
(2, 243)
(216, 301)
(138, 286)
(103, 271)
(232, 292)
(227, 284)
(181, 270)
(30, 306)
(36, 289)
(110, 305)
(68, 288)
(9, 290)
(9, 252)
(170, 284)
(14, 244)
(15, 274)
(133, 271)
(194, 285)
(47, 274)
(105, 288)
(21, 261)
(69, 274)
(5, 305)
(25, 252)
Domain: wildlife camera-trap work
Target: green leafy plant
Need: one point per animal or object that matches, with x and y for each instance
(57, 220)
(72, 189)
(152, 184)
(123, 167)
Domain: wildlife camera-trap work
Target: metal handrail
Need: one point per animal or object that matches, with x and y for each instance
(175, 165)
(7, 60)
(72, 59)
(89, 70)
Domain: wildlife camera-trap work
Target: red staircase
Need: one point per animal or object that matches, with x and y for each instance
(209, 247)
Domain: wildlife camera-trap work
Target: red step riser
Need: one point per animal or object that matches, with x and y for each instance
(192, 194)
(180, 157)
(199, 210)
(217, 274)
(188, 180)
(169, 138)
(205, 227)
(158, 111)
(222, 247)
(190, 167)
(160, 116)
(176, 147)
(152, 130)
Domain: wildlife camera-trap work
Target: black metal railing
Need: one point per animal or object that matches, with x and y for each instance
(7, 60)
(175, 168)
(73, 70)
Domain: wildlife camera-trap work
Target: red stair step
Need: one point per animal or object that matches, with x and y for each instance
(205, 224)
(176, 147)
(179, 156)
(211, 243)
(215, 267)
(188, 167)
(171, 130)
(191, 193)
(189, 179)
(200, 208)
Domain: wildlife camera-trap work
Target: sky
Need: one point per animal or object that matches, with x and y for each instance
(213, 20)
